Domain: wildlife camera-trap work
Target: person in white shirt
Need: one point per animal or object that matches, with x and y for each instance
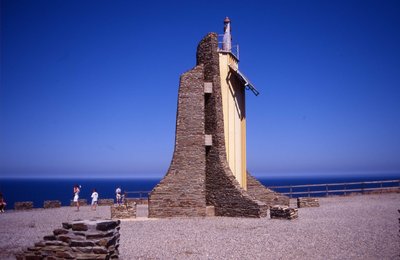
(95, 197)
(118, 195)
(76, 196)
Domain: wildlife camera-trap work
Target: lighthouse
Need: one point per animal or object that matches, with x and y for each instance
(208, 173)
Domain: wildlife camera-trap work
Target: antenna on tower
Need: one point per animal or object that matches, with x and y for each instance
(227, 39)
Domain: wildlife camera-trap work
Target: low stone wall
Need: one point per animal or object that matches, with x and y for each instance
(23, 205)
(84, 239)
(304, 202)
(51, 204)
(123, 211)
(82, 202)
(283, 212)
(105, 202)
(256, 189)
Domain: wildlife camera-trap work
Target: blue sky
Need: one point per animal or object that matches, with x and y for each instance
(89, 88)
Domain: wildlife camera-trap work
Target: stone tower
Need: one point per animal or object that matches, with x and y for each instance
(208, 168)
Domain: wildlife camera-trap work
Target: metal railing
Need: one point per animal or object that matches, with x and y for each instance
(234, 48)
(325, 189)
(141, 194)
(328, 189)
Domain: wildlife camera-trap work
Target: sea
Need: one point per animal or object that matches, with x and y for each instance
(40, 189)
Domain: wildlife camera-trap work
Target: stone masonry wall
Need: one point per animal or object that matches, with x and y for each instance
(83, 239)
(223, 190)
(182, 191)
(261, 193)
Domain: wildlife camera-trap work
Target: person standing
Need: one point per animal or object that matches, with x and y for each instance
(95, 197)
(76, 196)
(118, 195)
(2, 203)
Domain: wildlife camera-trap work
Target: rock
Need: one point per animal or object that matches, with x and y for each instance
(99, 250)
(82, 202)
(49, 238)
(34, 248)
(51, 204)
(107, 225)
(60, 231)
(123, 211)
(40, 244)
(90, 256)
(67, 225)
(81, 243)
(64, 238)
(24, 205)
(66, 255)
(99, 235)
(304, 202)
(79, 226)
(102, 242)
(55, 243)
(283, 212)
(86, 250)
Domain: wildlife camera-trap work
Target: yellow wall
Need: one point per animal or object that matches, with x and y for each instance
(233, 104)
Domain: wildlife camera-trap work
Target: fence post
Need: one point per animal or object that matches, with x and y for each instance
(327, 193)
(290, 191)
(309, 192)
(362, 187)
(345, 187)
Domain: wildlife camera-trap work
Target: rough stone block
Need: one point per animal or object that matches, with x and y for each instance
(79, 226)
(304, 202)
(51, 204)
(107, 225)
(49, 238)
(283, 212)
(123, 211)
(82, 202)
(23, 205)
(60, 231)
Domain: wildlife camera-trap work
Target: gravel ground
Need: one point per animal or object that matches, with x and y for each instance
(20, 229)
(357, 227)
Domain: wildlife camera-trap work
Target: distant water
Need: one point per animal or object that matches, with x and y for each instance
(39, 190)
